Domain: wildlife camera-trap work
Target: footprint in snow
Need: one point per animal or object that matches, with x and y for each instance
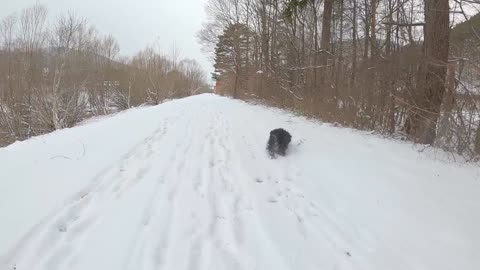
(272, 199)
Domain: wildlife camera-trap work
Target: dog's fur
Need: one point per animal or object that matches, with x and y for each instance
(278, 142)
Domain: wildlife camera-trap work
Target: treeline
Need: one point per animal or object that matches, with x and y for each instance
(382, 65)
(53, 75)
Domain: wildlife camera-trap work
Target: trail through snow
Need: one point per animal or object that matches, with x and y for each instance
(188, 185)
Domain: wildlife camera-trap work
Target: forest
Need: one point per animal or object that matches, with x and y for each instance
(56, 72)
(401, 68)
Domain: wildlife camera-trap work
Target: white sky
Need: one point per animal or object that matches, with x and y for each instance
(135, 23)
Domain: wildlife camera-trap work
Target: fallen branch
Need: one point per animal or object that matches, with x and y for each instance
(404, 24)
(308, 67)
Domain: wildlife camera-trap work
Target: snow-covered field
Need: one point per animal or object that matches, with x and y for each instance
(188, 185)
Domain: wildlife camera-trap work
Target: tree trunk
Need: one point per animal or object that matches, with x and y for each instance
(354, 44)
(265, 35)
(367, 30)
(373, 34)
(339, 72)
(326, 30)
(315, 42)
(325, 41)
(422, 123)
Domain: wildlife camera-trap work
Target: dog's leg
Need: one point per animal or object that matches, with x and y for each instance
(271, 153)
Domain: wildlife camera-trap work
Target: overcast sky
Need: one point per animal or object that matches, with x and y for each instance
(135, 23)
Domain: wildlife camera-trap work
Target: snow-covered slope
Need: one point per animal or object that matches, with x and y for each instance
(188, 185)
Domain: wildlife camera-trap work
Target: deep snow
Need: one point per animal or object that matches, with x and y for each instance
(188, 185)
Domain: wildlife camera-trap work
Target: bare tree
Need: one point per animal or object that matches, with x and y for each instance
(54, 75)
(109, 48)
(64, 39)
(381, 78)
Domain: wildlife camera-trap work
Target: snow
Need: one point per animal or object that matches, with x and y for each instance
(188, 185)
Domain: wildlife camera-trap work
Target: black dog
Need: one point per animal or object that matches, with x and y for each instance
(278, 142)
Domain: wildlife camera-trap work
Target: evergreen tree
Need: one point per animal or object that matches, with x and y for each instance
(231, 53)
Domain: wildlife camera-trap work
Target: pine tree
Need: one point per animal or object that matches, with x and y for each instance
(231, 54)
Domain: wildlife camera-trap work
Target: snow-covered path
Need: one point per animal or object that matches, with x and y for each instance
(188, 185)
